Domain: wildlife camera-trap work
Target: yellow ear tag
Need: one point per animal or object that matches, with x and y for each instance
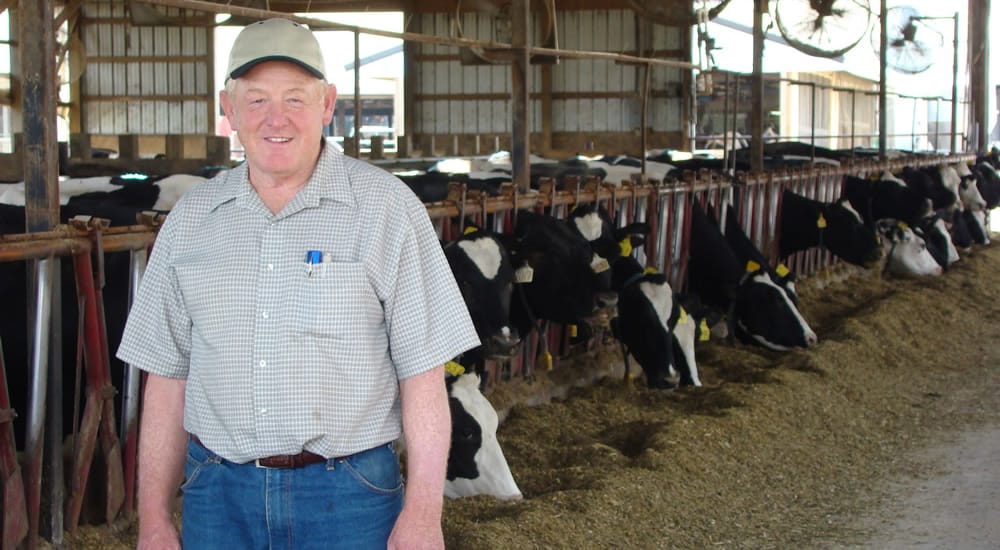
(572, 331)
(454, 368)
(902, 225)
(650, 271)
(782, 270)
(470, 229)
(704, 333)
(626, 246)
(821, 222)
(683, 317)
(546, 361)
(752, 266)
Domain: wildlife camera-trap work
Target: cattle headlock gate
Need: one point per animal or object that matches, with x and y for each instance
(665, 206)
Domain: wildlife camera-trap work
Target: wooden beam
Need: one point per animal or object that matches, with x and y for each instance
(319, 24)
(979, 62)
(520, 102)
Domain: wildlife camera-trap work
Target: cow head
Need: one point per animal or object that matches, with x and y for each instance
(906, 254)
(476, 465)
(846, 235)
(485, 277)
(937, 239)
(764, 312)
(558, 276)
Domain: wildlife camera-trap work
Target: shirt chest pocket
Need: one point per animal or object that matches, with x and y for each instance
(335, 300)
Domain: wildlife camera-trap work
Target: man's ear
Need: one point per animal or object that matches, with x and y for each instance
(329, 103)
(227, 108)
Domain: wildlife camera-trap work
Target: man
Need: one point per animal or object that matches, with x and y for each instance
(294, 318)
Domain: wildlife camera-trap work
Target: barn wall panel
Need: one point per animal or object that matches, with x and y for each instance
(127, 63)
(589, 96)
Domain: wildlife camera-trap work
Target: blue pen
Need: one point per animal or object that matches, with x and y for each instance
(313, 257)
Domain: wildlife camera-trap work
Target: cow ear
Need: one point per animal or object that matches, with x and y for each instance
(625, 246)
(453, 370)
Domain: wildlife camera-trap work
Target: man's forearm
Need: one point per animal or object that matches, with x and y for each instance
(162, 447)
(427, 429)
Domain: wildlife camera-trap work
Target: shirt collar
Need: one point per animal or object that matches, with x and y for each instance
(328, 181)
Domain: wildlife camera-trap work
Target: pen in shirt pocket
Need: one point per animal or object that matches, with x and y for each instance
(313, 257)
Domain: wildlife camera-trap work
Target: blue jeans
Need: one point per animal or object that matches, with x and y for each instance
(349, 502)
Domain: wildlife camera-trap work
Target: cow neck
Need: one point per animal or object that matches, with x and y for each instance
(633, 279)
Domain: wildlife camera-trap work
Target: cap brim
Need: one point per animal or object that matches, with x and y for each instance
(244, 68)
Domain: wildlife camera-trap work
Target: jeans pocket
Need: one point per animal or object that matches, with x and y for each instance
(197, 460)
(376, 469)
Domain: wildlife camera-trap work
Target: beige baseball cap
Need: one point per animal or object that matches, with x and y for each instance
(275, 40)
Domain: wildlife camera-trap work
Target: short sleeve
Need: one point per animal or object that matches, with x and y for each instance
(427, 320)
(157, 335)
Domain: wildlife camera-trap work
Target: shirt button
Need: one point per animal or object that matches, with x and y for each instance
(263, 363)
(264, 315)
(263, 412)
(270, 267)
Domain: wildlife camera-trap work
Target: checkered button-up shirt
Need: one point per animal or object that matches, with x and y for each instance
(281, 355)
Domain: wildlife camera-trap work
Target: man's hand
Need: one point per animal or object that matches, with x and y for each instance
(158, 535)
(417, 530)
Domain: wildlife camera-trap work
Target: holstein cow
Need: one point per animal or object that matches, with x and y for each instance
(931, 183)
(938, 240)
(886, 197)
(476, 464)
(485, 277)
(988, 182)
(906, 255)
(651, 324)
(760, 311)
(558, 276)
(835, 226)
(746, 252)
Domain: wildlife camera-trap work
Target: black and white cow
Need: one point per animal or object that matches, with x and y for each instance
(937, 238)
(886, 197)
(746, 252)
(906, 254)
(988, 182)
(476, 464)
(760, 310)
(484, 274)
(653, 326)
(650, 322)
(558, 277)
(836, 226)
(937, 183)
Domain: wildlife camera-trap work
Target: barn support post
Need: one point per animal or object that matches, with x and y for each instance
(757, 109)
(883, 102)
(520, 100)
(954, 88)
(979, 63)
(38, 108)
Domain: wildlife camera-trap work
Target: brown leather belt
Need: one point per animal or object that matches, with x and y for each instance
(283, 462)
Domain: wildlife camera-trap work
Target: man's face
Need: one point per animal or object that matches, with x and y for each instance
(279, 111)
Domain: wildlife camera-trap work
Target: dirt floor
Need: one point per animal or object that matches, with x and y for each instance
(778, 450)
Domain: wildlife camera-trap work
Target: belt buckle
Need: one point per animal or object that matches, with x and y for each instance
(257, 463)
